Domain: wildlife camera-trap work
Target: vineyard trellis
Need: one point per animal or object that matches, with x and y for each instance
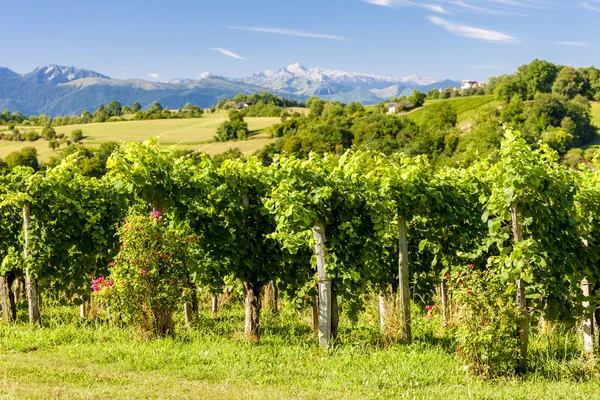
(327, 229)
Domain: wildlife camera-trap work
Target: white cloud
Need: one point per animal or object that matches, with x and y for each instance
(407, 3)
(575, 44)
(288, 32)
(472, 32)
(463, 5)
(227, 53)
(154, 75)
(590, 7)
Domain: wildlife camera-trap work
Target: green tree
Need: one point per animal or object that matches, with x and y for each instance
(77, 135)
(569, 83)
(26, 157)
(417, 98)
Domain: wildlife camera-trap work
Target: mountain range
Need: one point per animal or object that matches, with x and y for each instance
(62, 90)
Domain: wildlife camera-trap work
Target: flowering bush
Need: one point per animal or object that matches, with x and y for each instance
(484, 321)
(148, 275)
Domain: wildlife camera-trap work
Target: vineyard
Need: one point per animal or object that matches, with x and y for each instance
(487, 255)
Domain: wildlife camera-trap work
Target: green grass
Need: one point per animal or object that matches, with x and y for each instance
(66, 359)
(191, 133)
(595, 113)
(462, 105)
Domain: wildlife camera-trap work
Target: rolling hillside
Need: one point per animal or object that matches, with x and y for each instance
(464, 107)
(192, 133)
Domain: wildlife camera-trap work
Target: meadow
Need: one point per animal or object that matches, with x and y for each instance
(464, 107)
(67, 358)
(189, 133)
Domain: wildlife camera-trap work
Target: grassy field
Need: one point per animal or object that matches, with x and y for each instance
(68, 359)
(462, 105)
(192, 133)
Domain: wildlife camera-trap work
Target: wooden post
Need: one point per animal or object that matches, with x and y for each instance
(324, 286)
(404, 282)
(315, 314)
(382, 310)
(275, 296)
(187, 306)
(5, 299)
(30, 282)
(523, 323)
(588, 320)
(214, 306)
(444, 296)
(82, 308)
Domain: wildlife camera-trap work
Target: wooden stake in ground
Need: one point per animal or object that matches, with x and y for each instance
(324, 286)
(588, 320)
(382, 310)
(214, 304)
(404, 282)
(523, 323)
(30, 282)
(7, 299)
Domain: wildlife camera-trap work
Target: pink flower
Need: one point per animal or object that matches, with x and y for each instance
(165, 256)
(144, 272)
(447, 275)
(446, 323)
(428, 308)
(156, 214)
(172, 281)
(437, 307)
(473, 265)
(112, 262)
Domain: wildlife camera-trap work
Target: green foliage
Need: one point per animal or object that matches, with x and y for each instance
(542, 192)
(148, 274)
(48, 133)
(32, 136)
(26, 157)
(77, 135)
(484, 324)
(235, 128)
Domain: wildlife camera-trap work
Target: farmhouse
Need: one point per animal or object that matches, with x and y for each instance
(404, 106)
(243, 104)
(472, 85)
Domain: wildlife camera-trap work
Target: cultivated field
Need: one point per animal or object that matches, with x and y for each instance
(463, 106)
(191, 133)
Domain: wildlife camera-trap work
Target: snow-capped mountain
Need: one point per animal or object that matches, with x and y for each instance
(62, 90)
(61, 74)
(302, 81)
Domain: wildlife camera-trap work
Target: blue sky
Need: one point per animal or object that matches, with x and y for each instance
(458, 39)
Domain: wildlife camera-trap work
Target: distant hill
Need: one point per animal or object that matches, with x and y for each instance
(64, 90)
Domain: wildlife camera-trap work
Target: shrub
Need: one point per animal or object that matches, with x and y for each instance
(484, 324)
(32, 136)
(148, 275)
(48, 133)
(77, 135)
